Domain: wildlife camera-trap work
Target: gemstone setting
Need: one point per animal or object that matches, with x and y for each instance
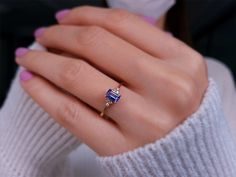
(113, 96)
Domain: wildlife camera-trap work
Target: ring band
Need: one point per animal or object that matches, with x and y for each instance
(112, 96)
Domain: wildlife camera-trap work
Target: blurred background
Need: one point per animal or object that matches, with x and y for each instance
(212, 26)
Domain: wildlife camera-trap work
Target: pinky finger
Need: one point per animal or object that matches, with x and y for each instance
(72, 114)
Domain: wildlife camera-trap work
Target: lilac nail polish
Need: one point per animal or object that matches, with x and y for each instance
(20, 52)
(25, 75)
(61, 14)
(150, 20)
(38, 32)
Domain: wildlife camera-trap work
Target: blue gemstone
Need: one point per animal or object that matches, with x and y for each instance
(113, 96)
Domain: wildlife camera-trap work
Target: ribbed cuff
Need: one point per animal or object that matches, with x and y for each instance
(200, 147)
(31, 142)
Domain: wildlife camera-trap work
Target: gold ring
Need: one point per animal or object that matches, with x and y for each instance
(112, 96)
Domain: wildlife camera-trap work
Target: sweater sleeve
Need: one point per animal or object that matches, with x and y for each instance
(202, 146)
(32, 144)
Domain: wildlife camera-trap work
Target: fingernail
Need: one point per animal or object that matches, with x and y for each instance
(61, 14)
(25, 75)
(38, 32)
(150, 20)
(20, 52)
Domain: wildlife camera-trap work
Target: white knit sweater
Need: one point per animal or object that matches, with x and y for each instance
(32, 144)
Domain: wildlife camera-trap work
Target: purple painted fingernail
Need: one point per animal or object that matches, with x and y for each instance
(39, 32)
(150, 20)
(25, 75)
(61, 14)
(20, 52)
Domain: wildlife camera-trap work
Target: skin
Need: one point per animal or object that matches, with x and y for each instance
(164, 79)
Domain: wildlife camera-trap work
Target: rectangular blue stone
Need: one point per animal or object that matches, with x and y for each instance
(112, 96)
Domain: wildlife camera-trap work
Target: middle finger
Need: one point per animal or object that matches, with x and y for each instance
(109, 53)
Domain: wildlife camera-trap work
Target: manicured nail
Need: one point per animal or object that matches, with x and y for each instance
(38, 32)
(25, 75)
(20, 52)
(150, 20)
(61, 14)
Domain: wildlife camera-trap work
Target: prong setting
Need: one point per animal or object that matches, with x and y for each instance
(112, 96)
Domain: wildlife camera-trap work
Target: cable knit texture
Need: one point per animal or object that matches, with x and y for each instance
(32, 144)
(201, 147)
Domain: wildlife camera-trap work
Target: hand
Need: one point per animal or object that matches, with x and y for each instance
(164, 80)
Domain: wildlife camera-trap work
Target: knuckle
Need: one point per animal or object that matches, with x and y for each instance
(183, 50)
(144, 65)
(198, 64)
(68, 113)
(32, 54)
(189, 88)
(50, 30)
(118, 16)
(90, 35)
(35, 87)
(196, 57)
(71, 72)
(187, 91)
(181, 46)
(199, 61)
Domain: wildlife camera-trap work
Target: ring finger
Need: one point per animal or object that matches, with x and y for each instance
(72, 114)
(83, 81)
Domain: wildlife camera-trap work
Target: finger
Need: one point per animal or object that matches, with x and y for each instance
(106, 51)
(83, 81)
(130, 27)
(71, 113)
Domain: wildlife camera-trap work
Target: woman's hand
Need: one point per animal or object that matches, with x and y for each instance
(164, 80)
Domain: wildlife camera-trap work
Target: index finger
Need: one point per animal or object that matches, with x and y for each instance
(129, 27)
